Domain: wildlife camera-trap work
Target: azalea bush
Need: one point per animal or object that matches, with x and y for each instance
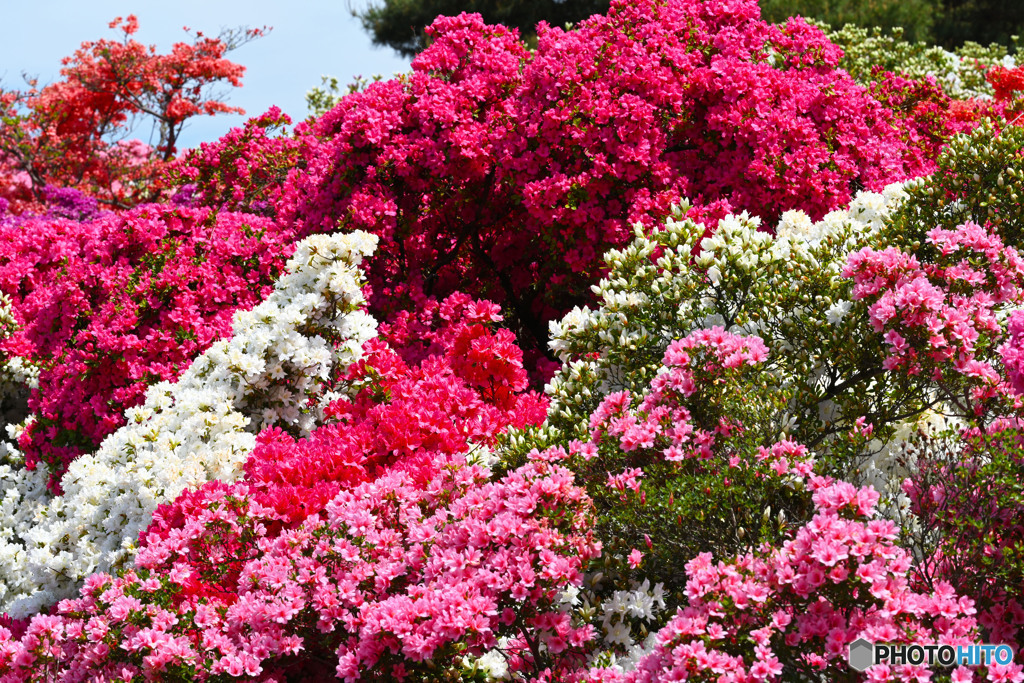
(275, 369)
(966, 494)
(110, 306)
(977, 180)
(793, 610)
(789, 290)
(960, 73)
(351, 586)
(242, 171)
(502, 168)
(660, 325)
(286, 422)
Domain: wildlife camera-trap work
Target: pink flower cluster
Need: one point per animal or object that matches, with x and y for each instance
(244, 170)
(371, 544)
(973, 498)
(941, 313)
(112, 305)
(793, 610)
(392, 575)
(692, 364)
(1012, 352)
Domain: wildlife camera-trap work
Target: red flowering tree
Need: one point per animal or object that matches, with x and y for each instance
(74, 132)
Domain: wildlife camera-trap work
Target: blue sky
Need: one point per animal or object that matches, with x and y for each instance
(310, 38)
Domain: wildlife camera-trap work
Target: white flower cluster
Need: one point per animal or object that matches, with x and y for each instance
(741, 251)
(636, 289)
(272, 369)
(625, 617)
(867, 212)
(743, 279)
(641, 603)
(888, 462)
(7, 322)
(956, 74)
(17, 378)
(492, 663)
(626, 610)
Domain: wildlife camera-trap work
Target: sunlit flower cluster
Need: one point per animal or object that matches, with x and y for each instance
(202, 427)
(285, 424)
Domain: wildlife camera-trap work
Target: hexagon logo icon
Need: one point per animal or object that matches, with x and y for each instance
(862, 654)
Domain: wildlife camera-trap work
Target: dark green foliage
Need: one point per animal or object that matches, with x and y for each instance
(915, 16)
(399, 24)
(949, 23)
(692, 507)
(981, 21)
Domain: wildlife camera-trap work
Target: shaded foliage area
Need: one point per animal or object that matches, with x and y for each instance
(916, 17)
(949, 23)
(981, 21)
(401, 24)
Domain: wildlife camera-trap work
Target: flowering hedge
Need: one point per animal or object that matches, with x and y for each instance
(281, 426)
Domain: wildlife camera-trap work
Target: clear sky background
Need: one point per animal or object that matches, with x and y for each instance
(310, 38)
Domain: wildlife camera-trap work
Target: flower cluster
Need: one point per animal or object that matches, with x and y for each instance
(967, 485)
(940, 315)
(242, 171)
(16, 376)
(628, 619)
(1012, 352)
(503, 168)
(787, 290)
(961, 73)
(1006, 81)
(112, 305)
(400, 414)
(797, 607)
(273, 370)
(216, 465)
(693, 365)
(393, 576)
(928, 118)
